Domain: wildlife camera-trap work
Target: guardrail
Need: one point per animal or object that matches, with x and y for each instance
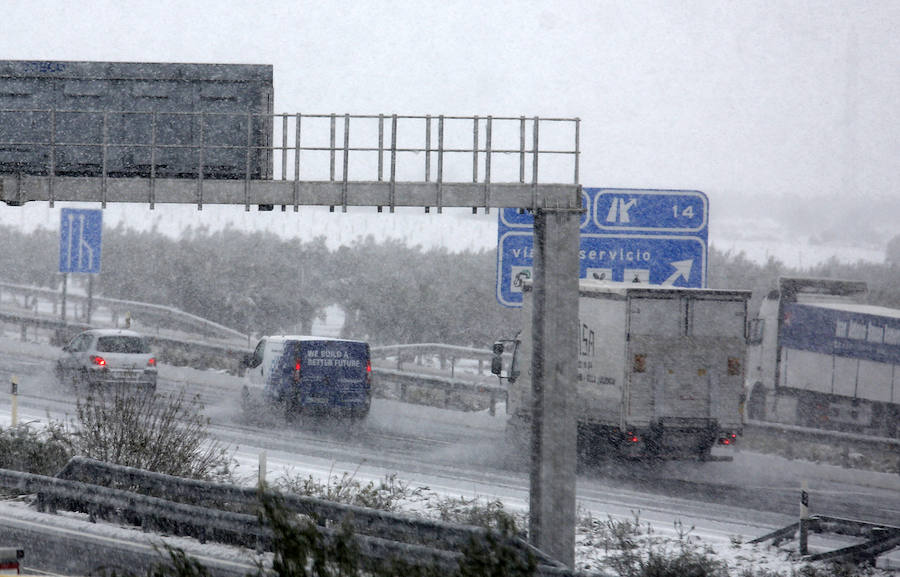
(877, 538)
(226, 513)
(450, 391)
(446, 353)
(844, 449)
(149, 314)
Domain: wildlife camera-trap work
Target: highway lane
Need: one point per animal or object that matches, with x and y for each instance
(463, 454)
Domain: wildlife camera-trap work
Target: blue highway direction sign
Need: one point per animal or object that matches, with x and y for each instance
(80, 233)
(646, 236)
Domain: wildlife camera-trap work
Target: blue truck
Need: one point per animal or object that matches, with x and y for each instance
(303, 374)
(820, 357)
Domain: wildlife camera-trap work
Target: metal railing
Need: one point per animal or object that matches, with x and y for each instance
(388, 149)
(227, 513)
(148, 313)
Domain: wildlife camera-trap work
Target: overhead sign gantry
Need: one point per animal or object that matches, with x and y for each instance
(334, 160)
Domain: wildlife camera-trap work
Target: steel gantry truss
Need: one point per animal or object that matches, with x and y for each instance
(348, 161)
(310, 160)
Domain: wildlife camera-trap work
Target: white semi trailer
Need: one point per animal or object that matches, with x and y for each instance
(820, 357)
(660, 370)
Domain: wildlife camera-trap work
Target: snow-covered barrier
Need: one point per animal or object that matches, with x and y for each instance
(227, 513)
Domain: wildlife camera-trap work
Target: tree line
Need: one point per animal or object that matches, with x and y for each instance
(257, 282)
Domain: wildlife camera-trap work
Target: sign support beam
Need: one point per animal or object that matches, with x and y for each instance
(554, 363)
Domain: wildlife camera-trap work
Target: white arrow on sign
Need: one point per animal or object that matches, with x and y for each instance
(682, 269)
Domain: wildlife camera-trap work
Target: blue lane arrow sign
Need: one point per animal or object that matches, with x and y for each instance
(648, 236)
(80, 233)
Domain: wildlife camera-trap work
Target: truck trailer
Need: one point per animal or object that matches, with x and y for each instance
(820, 357)
(660, 370)
(136, 119)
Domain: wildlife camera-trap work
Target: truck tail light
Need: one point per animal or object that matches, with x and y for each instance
(728, 439)
(151, 362)
(368, 371)
(99, 361)
(296, 372)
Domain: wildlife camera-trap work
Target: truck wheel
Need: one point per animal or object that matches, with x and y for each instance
(756, 406)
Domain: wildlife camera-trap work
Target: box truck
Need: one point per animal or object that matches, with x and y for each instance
(820, 357)
(660, 370)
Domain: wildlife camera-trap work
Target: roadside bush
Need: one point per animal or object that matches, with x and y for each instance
(161, 433)
(489, 514)
(41, 451)
(632, 550)
(386, 495)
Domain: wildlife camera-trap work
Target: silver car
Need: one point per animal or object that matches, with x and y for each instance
(107, 356)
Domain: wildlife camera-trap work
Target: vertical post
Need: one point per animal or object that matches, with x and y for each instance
(90, 299)
(346, 164)
(296, 185)
(153, 161)
(440, 168)
(284, 145)
(247, 172)
(52, 156)
(14, 400)
(331, 146)
(262, 469)
(804, 518)
(201, 160)
(104, 153)
(65, 282)
(393, 161)
(554, 361)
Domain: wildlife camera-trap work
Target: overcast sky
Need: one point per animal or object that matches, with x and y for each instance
(762, 105)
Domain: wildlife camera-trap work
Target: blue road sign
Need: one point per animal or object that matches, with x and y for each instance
(647, 236)
(80, 232)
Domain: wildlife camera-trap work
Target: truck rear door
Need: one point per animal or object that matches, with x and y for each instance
(686, 361)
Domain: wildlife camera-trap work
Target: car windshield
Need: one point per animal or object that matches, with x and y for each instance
(122, 344)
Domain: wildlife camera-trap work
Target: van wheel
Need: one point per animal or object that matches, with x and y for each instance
(291, 409)
(360, 414)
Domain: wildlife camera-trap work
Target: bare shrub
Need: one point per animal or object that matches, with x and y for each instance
(385, 495)
(41, 451)
(161, 433)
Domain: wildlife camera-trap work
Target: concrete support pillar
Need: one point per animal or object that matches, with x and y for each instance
(554, 371)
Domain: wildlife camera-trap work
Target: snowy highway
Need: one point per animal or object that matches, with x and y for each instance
(459, 454)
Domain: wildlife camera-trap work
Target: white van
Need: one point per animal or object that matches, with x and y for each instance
(304, 373)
